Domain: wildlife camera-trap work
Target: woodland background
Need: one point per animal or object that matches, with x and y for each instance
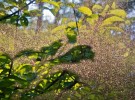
(86, 53)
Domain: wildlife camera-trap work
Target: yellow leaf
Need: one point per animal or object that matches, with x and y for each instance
(103, 13)
(118, 12)
(126, 54)
(112, 19)
(1, 70)
(68, 98)
(76, 86)
(106, 23)
(115, 29)
(70, 5)
(92, 19)
(59, 28)
(113, 5)
(97, 7)
(85, 10)
(73, 24)
(45, 72)
(128, 22)
(56, 4)
(2, 14)
(106, 8)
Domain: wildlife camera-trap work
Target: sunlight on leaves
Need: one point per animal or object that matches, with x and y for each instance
(97, 8)
(92, 19)
(111, 20)
(85, 10)
(113, 5)
(118, 12)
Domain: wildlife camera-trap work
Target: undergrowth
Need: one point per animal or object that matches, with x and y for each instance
(113, 69)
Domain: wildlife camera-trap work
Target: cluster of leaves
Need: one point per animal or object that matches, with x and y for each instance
(105, 18)
(17, 12)
(32, 80)
(100, 20)
(9, 16)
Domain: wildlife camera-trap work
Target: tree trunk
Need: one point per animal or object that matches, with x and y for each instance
(39, 20)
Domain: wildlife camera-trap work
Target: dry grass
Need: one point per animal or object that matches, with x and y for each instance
(14, 40)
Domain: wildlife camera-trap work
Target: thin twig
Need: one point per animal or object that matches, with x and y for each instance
(11, 66)
(76, 20)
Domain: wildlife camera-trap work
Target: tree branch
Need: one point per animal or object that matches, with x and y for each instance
(8, 16)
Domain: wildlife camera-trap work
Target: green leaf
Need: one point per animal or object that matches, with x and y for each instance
(58, 80)
(52, 49)
(24, 21)
(23, 69)
(12, 2)
(25, 53)
(4, 72)
(17, 79)
(132, 19)
(14, 19)
(4, 59)
(4, 83)
(29, 94)
(23, 4)
(9, 7)
(30, 76)
(118, 12)
(2, 5)
(85, 10)
(71, 34)
(76, 54)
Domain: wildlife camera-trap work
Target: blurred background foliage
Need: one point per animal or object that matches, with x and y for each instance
(103, 30)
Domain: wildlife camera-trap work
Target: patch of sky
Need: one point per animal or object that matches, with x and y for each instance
(48, 15)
